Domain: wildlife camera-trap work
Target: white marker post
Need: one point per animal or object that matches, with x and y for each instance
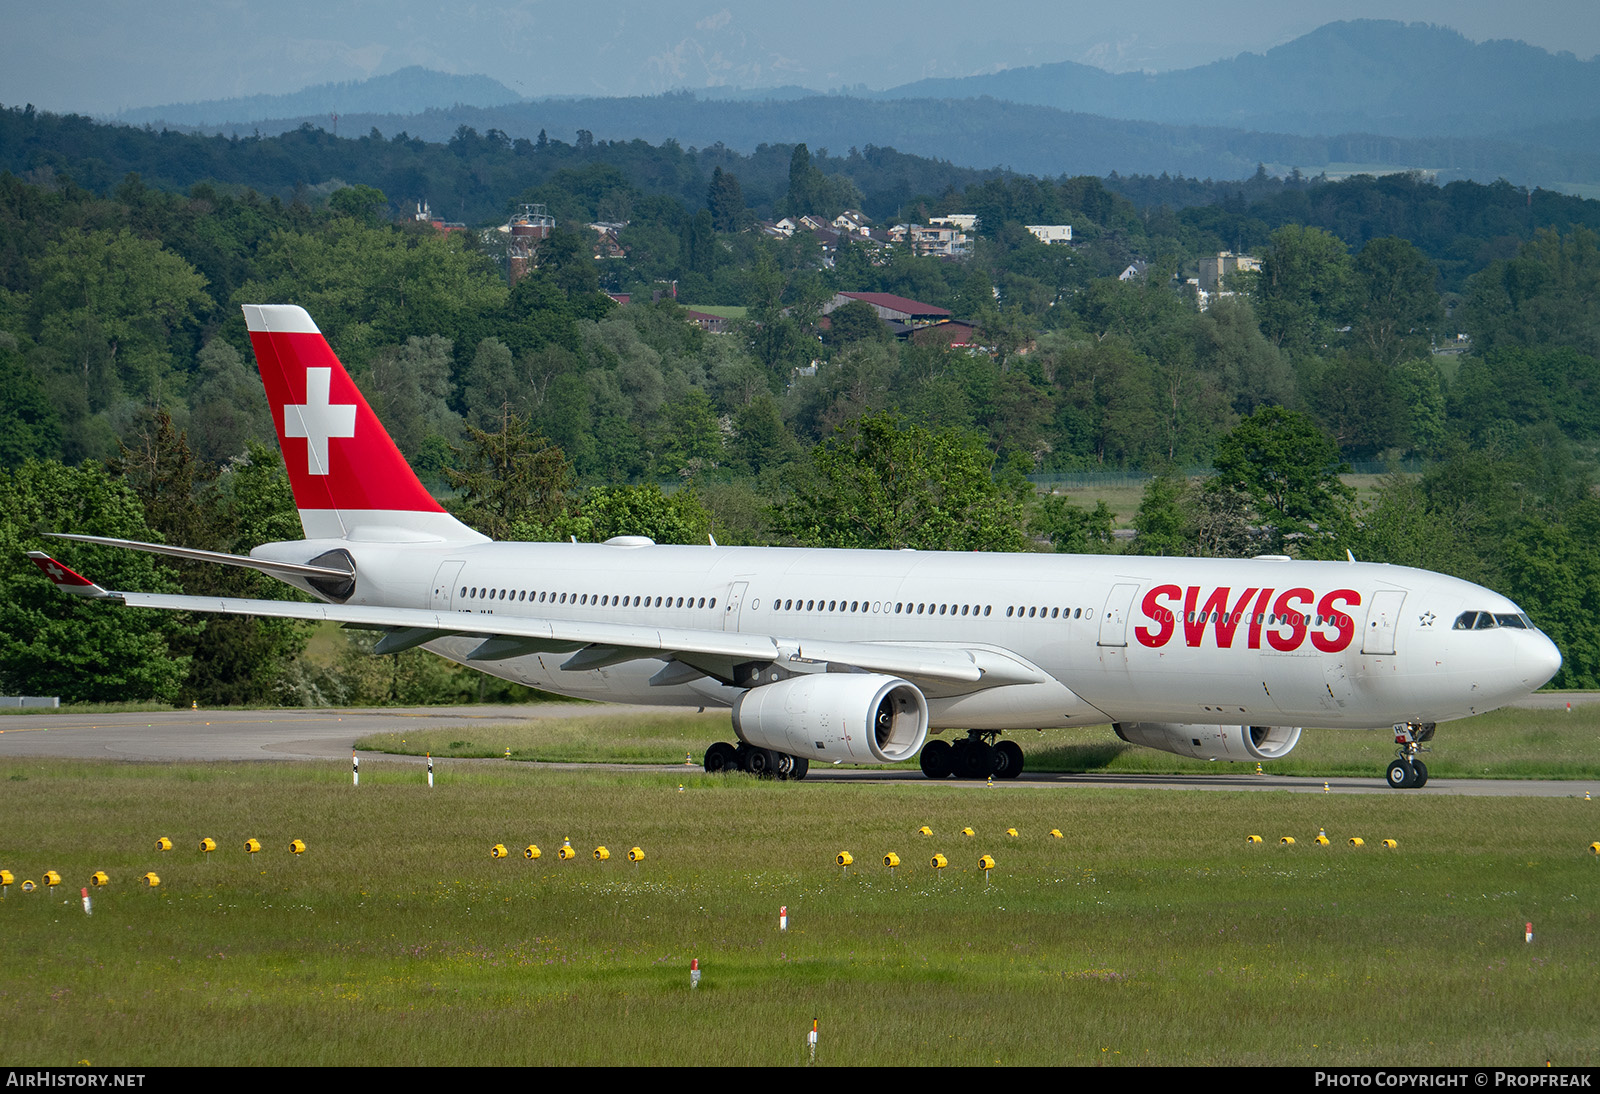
(783, 918)
(694, 972)
(86, 909)
(355, 770)
(811, 1040)
(1527, 934)
(430, 771)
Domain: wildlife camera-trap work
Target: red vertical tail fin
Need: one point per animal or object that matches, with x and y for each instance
(349, 479)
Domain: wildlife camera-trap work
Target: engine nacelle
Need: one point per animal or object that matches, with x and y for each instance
(858, 718)
(1212, 742)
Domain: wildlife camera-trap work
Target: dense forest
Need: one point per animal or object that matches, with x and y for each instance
(1456, 328)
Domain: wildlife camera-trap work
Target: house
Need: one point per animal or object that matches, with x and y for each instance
(607, 244)
(892, 309)
(1136, 269)
(963, 222)
(940, 241)
(1214, 271)
(953, 333)
(1051, 233)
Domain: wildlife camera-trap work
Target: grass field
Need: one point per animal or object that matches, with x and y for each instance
(1507, 743)
(1149, 933)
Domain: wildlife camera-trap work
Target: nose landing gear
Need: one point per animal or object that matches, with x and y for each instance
(1408, 772)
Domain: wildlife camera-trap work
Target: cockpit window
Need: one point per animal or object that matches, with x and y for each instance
(1486, 621)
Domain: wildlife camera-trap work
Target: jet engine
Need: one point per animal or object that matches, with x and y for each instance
(1208, 742)
(860, 718)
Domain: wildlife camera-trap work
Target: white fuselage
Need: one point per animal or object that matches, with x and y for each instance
(1110, 638)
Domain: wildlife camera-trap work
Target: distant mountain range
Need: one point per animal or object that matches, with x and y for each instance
(1364, 95)
(1366, 76)
(405, 91)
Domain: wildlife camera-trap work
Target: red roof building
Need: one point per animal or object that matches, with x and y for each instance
(892, 308)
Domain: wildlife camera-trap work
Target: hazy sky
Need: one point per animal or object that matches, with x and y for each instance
(101, 56)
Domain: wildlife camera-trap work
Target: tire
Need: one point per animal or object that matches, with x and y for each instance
(937, 760)
(1008, 760)
(1422, 773)
(974, 760)
(721, 757)
(798, 771)
(1401, 776)
(761, 762)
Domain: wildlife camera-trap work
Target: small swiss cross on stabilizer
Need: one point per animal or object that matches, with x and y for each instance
(64, 578)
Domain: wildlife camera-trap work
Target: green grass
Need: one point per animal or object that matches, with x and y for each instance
(1150, 933)
(1504, 744)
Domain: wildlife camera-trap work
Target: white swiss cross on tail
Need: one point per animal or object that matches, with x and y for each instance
(363, 480)
(319, 420)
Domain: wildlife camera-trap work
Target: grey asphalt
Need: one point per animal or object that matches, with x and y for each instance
(329, 736)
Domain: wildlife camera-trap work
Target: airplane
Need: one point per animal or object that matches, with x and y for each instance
(851, 656)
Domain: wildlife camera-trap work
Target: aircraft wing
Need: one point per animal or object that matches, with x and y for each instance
(593, 645)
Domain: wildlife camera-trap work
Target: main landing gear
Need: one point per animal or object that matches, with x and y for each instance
(764, 763)
(1408, 771)
(975, 756)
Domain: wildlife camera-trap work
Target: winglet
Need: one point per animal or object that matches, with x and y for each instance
(65, 579)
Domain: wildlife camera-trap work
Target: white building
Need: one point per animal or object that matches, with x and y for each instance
(1051, 233)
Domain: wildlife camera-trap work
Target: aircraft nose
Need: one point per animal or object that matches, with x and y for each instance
(1537, 660)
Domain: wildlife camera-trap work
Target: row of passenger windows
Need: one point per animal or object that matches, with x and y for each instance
(903, 608)
(1484, 621)
(1290, 619)
(585, 599)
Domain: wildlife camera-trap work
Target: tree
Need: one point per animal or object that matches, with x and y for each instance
(1161, 523)
(56, 645)
(856, 321)
(805, 194)
(881, 483)
(510, 478)
(1304, 289)
(1396, 300)
(725, 200)
(1290, 470)
(1073, 530)
(608, 511)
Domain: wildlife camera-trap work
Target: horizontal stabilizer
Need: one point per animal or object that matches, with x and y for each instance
(65, 579)
(194, 554)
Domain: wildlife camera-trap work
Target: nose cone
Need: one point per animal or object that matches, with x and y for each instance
(1537, 660)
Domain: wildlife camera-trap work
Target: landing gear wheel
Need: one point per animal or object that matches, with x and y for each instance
(798, 771)
(1401, 775)
(760, 762)
(1422, 773)
(721, 757)
(974, 759)
(937, 760)
(1007, 760)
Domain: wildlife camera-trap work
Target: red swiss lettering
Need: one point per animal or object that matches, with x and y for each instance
(1344, 624)
(1288, 617)
(1162, 617)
